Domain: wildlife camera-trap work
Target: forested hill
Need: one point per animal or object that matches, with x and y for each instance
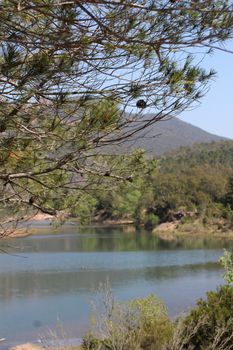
(165, 136)
(195, 182)
(216, 154)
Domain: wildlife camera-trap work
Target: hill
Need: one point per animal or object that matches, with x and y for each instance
(191, 187)
(217, 154)
(165, 136)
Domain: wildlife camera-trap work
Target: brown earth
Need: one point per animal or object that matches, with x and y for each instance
(42, 216)
(167, 226)
(30, 346)
(27, 346)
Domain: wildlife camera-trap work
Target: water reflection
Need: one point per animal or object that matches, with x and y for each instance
(29, 284)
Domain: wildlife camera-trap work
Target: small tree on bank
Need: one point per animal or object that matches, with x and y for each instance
(77, 76)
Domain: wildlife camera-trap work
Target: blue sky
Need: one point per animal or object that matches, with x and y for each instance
(215, 114)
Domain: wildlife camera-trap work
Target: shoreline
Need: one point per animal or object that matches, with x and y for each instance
(166, 231)
(34, 346)
(56, 344)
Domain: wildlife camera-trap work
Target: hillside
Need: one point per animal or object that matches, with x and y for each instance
(191, 187)
(217, 154)
(165, 136)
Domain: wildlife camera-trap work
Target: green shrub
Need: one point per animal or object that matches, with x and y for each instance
(150, 221)
(209, 326)
(227, 262)
(154, 327)
(136, 325)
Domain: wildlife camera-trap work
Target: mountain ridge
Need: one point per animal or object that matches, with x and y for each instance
(165, 136)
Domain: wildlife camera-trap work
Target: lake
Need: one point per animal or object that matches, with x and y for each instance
(51, 278)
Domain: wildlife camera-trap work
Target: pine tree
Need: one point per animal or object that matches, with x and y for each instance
(78, 76)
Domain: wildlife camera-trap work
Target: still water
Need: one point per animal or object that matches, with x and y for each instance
(51, 277)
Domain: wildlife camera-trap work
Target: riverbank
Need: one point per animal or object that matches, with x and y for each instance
(27, 346)
(31, 346)
(166, 230)
(171, 230)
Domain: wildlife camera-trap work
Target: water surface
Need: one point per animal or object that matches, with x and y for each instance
(54, 276)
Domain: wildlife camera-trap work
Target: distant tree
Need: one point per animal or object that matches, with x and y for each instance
(228, 198)
(69, 72)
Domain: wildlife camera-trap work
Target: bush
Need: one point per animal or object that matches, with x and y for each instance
(154, 328)
(138, 324)
(227, 262)
(209, 326)
(150, 221)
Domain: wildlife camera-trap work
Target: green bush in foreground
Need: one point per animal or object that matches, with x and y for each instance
(143, 324)
(209, 326)
(138, 324)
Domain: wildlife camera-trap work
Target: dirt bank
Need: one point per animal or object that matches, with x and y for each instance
(27, 346)
(30, 346)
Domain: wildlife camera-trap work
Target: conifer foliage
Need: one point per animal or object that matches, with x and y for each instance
(69, 70)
